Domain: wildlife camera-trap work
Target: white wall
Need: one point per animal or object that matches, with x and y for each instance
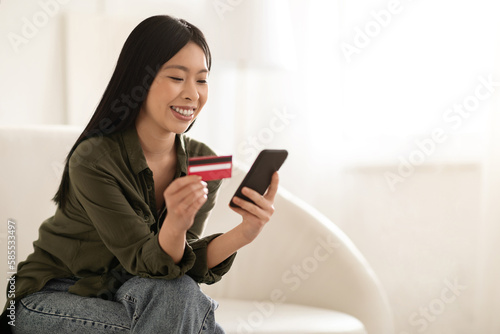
(32, 68)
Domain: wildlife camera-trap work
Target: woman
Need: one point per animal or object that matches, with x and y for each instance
(123, 251)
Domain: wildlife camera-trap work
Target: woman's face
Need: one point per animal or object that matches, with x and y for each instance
(178, 92)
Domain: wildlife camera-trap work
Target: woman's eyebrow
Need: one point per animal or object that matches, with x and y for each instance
(184, 68)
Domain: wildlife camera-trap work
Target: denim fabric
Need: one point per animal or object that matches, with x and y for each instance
(141, 305)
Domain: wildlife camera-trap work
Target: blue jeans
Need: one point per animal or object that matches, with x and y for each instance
(141, 305)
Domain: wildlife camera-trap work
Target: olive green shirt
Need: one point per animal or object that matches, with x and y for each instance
(107, 232)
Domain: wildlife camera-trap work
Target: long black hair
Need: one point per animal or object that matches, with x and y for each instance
(150, 45)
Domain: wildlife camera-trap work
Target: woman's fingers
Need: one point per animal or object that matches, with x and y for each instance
(257, 212)
(183, 189)
(262, 205)
(191, 192)
(273, 187)
(249, 207)
(259, 200)
(237, 209)
(186, 195)
(181, 182)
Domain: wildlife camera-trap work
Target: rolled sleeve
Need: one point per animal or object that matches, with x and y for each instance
(155, 254)
(200, 272)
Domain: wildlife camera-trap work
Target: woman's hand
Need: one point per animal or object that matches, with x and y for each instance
(183, 198)
(255, 216)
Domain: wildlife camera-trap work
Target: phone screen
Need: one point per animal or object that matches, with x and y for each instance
(259, 176)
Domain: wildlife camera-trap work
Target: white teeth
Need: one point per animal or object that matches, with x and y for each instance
(183, 111)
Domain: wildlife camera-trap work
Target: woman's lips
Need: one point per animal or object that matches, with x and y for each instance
(183, 113)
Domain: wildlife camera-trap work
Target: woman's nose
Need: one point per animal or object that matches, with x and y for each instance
(190, 92)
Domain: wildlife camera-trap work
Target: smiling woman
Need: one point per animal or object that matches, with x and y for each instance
(127, 230)
(178, 93)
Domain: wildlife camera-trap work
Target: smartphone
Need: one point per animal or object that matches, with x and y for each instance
(259, 176)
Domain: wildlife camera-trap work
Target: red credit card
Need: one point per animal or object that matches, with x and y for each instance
(211, 168)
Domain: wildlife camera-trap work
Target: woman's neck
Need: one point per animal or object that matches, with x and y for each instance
(156, 146)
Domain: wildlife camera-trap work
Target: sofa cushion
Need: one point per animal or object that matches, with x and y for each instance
(239, 316)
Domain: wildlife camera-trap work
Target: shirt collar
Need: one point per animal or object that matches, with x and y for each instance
(182, 156)
(136, 156)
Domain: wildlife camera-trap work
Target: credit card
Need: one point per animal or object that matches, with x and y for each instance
(211, 167)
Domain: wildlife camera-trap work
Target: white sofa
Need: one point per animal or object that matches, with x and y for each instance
(302, 275)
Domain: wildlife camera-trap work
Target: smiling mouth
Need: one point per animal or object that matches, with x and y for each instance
(183, 112)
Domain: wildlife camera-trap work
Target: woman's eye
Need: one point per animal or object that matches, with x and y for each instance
(176, 79)
(203, 81)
